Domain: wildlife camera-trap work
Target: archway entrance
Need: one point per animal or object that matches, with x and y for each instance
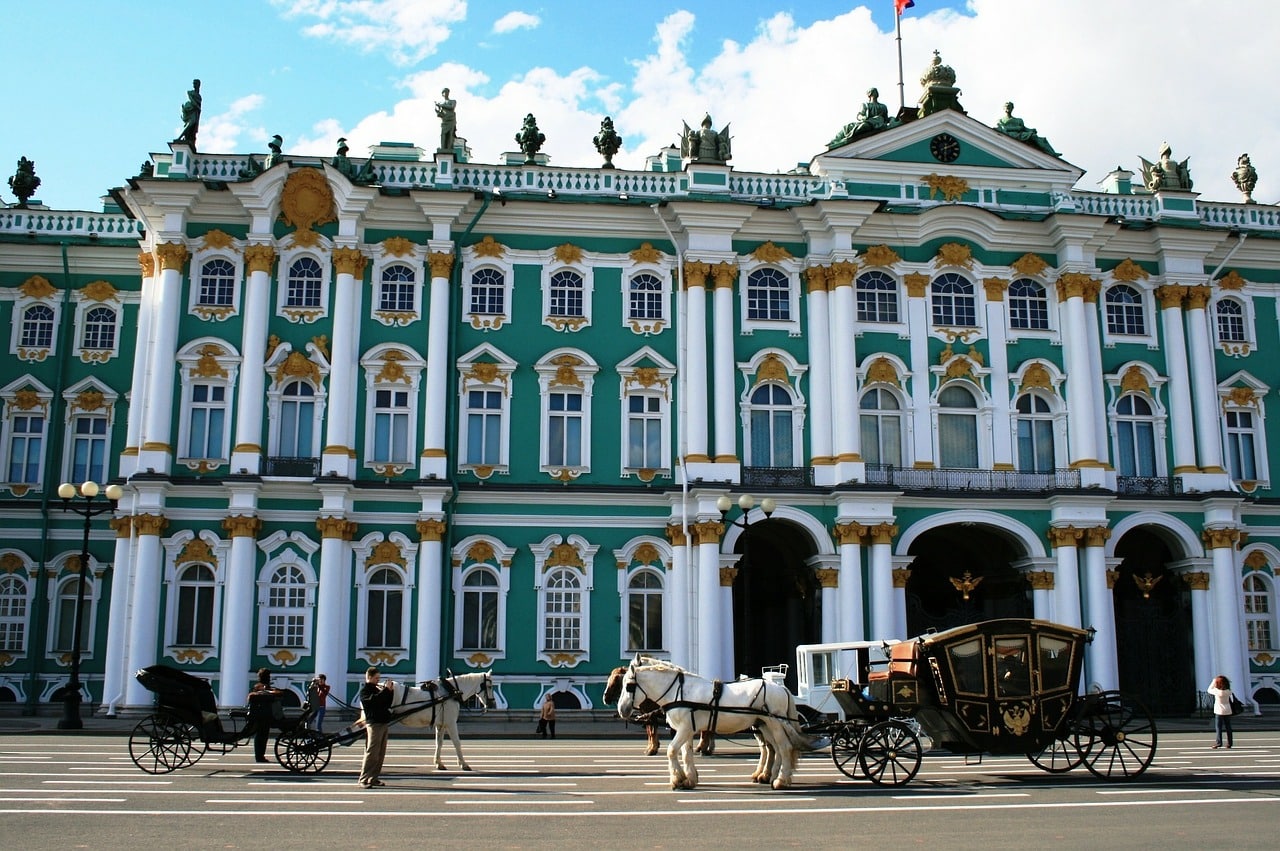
(1154, 647)
(777, 602)
(938, 594)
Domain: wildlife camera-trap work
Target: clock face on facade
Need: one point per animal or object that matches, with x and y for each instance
(944, 147)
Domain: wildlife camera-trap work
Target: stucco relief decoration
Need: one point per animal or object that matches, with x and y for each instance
(100, 291)
(647, 376)
(772, 369)
(1240, 397)
(1036, 375)
(307, 201)
(484, 372)
(1128, 272)
(1135, 380)
(770, 253)
(89, 400)
(321, 342)
(882, 371)
(296, 365)
(1256, 560)
(481, 551)
(219, 239)
(482, 471)
(880, 255)
(955, 254)
(647, 554)
(37, 287)
(198, 551)
(11, 563)
(488, 247)
(568, 253)
(398, 246)
(1231, 281)
(385, 552)
(565, 374)
(646, 253)
(208, 366)
(952, 188)
(26, 400)
(564, 555)
(1030, 264)
(391, 368)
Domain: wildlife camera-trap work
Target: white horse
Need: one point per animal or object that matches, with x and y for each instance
(439, 704)
(690, 705)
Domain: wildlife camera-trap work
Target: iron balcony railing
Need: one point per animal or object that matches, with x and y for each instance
(777, 477)
(1149, 485)
(971, 480)
(293, 468)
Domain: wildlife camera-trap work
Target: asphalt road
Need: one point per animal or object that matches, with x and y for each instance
(68, 791)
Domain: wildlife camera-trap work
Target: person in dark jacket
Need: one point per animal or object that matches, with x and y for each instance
(263, 700)
(376, 698)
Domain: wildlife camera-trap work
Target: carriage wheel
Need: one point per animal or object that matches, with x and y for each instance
(198, 747)
(1057, 756)
(160, 744)
(890, 754)
(844, 749)
(303, 751)
(1115, 735)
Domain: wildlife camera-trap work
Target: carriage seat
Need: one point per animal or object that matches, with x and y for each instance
(902, 660)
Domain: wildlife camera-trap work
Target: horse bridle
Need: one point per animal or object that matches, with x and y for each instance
(634, 686)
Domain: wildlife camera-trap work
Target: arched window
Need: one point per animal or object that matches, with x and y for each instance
(644, 297)
(1259, 614)
(877, 297)
(99, 329)
(195, 589)
(396, 291)
(562, 621)
(303, 284)
(881, 421)
(566, 294)
(957, 428)
(1035, 434)
(37, 327)
(287, 612)
(772, 421)
(1125, 311)
(64, 620)
(644, 612)
(1230, 316)
(217, 283)
(297, 421)
(488, 291)
(384, 609)
(768, 295)
(953, 300)
(480, 598)
(1028, 305)
(1135, 437)
(13, 614)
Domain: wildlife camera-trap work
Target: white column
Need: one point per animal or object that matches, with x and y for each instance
(235, 656)
(156, 451)
(1042, 602)
(728, 666)
(338, 450)
(1001, 436)
(1204, 387)
(436, 407)
(430, 599)
(1080, 415)
(332, 609)
(1202, 626)
(1066, 579)
(141, 361)
(921, 415)
(250, 400)
(1175, 358)
(706, 656)
(1100, 612)
(884, 605)
(829, 580)
(143, 647)
(901, 573)
(678, 597)
(849, 609)
(821, 453)
(695, 366)
(114, 674)
(1225, 579)
(724, 384)
(847, 437)
(1093, 341)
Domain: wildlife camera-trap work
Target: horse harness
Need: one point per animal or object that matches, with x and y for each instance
(448, 685)
(714, 707)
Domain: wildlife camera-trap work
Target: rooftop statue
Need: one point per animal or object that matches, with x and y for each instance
(1245, 177)
(276, 155)
(1013, 127)
(191, 116)
(530, 139)
(446, 110)
(940, 92)
(363, 174)
(24, 182)
(608, 142)
(1166, 174)
(872, 117)
(706, 145)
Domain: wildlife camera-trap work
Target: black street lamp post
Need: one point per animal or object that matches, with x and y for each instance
(746, 502)
(88, 509)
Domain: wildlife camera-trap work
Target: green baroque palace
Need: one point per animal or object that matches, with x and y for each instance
(430, 414)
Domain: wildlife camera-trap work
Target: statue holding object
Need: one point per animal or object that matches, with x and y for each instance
(191, 116)
(446, 111)
(1167, 173)
(706, 145)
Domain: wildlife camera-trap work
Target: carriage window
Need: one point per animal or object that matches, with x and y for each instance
(1055, 663)
(1013, 667)
(968, 668)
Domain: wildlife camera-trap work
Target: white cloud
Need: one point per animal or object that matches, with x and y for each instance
(516, 21)
(407, 30)
(224, 132)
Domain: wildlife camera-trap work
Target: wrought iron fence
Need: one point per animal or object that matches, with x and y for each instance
(1149, 485)
(971, 480)
(294, 468)
(777, 477)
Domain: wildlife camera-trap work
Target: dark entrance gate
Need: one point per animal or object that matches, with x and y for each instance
(1154, 645)
(777, 602)
(937, 589)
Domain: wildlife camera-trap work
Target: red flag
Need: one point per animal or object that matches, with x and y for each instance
(903, 5)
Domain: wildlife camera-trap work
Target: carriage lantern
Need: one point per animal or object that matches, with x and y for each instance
(81, 500)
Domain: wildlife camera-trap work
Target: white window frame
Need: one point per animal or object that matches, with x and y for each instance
(903, 415)
(485, 369)
(220, 552)
(566, 321)
(26, 580)
(179, 582)
(650, 554)
(649, 375)
(384, 260)
(1268, 617)
(953, 299)
(498, 258)
(570, 371)
(1054, 416)
(312, 372)
(1249, 399)
(575, 555)
(288, 560)
(481, 552)
(752, 381)
(23, 397)
(982, 422)
(215, 312)
(61, 585)
(212, 362)
(647, 326)
(1148, 312)
(1157, 419)
(85, 305)
(298, 313)
(1249, 340)
(367, 566)
(395, 369)
(1050, 306)
(789, 268)
(877, 324)
(87, 392)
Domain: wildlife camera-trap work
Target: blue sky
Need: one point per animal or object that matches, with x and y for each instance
(93, 87)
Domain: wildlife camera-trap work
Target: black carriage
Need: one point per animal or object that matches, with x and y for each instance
(186, 725)
(1000, 687)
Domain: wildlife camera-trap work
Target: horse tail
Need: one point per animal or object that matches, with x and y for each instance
(791, 725)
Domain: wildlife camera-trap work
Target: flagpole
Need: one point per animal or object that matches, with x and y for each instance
(902, 91)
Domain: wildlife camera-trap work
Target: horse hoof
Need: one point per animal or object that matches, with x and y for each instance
(778, 784)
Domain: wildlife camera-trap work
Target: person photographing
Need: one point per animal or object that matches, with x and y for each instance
(376, 698)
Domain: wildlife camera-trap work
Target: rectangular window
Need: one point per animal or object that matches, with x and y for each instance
(1241, 454)
(384, 618)
(882, 439)
(89, 449)
(25, 442)
(208, 419)
(484, 427)
(479, 620)
(65, 636)
(958, 441)
(644, 432)
(564, 430)
(396, 296)
(195, 615)
(286, 629)
(644, 621)
(391, 426)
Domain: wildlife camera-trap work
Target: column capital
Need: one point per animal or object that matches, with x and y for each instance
(1171, 296)
(172, 255)
(147, 263)
(123, 526)
(440, 263)
(1041, 580)
(882, 533)
(817, 276)
(336, 527)
(349, 261)
(1222, 538)
(828, 577)
(849, 533)
(430, 530)
(1198, 297)
(725, 275)
(259, 258)
(1197, 580)
(900, 576)
(695, 273)
(1096, 536)
(1076, 285)
(707, 532)
(242, 526)
(727, 576)
(996, 288)
(1064, 536)
(841, 274)
(675, 534)
(916, 283)
(150, 524)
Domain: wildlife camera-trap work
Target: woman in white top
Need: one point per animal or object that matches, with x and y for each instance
(1221, 691)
